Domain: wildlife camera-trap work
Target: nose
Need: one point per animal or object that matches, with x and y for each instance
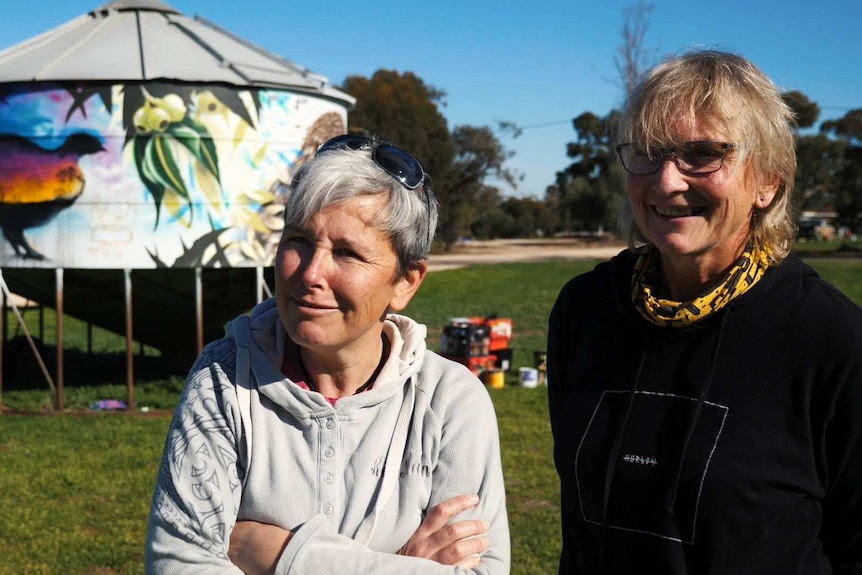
(669, 178)
(314, 266)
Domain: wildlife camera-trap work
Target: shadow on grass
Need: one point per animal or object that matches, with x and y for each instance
(88, 379)
(21, 370)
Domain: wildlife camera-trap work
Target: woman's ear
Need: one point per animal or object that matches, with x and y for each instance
(766, 191)
(407, 286)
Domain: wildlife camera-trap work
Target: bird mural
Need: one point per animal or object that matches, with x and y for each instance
(37, 183)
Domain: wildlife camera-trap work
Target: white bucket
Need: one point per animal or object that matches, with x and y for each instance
(529, 376)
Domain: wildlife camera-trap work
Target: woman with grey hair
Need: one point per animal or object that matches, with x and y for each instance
(321, 435)
(705, 385)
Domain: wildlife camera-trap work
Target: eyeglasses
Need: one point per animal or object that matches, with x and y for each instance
(691, 158)
(394, 161)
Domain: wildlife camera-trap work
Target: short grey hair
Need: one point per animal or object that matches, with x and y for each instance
(725, 92)
(410, 222)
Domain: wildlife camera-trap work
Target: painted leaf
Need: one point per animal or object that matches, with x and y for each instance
(195, 136)
(160, 161)
(157, 191)
(178, 207)
(240, 133)
(187, 136)
(210, 187)
(273, 217)
(160, 166)
(260, 155)
(210, 156)
(259, 196)
(255, 222)
(232, 100)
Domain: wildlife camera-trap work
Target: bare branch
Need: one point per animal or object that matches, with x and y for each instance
(632, 55)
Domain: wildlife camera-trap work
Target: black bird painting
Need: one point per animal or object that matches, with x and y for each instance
(37, 183)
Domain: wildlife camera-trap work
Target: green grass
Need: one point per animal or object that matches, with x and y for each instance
(75, 492)
(523, 292)
(845, 274)
(835, 246)
(75, 488)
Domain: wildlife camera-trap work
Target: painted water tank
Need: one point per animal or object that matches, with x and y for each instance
(137, 137)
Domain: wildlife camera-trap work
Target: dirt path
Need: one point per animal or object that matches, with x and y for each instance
(506, 251)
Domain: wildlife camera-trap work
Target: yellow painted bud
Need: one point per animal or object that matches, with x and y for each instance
(208, 103)
(174, 106)
(149, 119)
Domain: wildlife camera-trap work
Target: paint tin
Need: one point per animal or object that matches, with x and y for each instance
(528, 376)
(494, 378)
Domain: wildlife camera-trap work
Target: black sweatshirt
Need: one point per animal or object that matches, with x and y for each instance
(731, 446)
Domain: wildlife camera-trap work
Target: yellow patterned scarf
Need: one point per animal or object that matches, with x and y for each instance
(744, 274)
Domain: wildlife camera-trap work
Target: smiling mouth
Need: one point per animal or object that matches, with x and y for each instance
(309, 305)
(678, 212)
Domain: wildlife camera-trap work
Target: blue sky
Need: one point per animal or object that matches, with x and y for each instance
(538, 64)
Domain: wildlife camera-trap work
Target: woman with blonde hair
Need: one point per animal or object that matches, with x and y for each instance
(705, 385)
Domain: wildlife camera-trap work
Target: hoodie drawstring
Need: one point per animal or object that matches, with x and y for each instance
(392, 466)
(612, 461)
(243, 396)
(701, 398)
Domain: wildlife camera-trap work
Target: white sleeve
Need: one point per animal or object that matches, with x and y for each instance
(317, 548)
(199, 483)
(470, 462)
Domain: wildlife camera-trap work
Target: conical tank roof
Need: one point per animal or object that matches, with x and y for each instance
(145, 40)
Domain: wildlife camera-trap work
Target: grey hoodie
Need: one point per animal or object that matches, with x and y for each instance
(352, 481)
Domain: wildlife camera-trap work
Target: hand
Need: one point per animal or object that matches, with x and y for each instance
(256, 547)
(456, 543)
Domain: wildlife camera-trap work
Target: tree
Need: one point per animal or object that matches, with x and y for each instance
(848, 198)
(402, 109)
(516, 218)
(816, 156)
(588, 193)
(848, 128)
(590, 189)
(632, 56)
(819, 160)
(848, 184)
(464, 196)
(805, 111)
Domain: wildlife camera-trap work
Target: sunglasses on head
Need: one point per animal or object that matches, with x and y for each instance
(393, 160)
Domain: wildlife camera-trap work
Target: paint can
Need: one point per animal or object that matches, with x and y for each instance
(540, 360)
(528, 376)
(494, 378)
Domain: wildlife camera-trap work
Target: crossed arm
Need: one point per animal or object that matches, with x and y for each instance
(257, 547)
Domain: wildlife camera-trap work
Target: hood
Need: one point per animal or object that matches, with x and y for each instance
(407, 342)
(262, 333)
(613, 291)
